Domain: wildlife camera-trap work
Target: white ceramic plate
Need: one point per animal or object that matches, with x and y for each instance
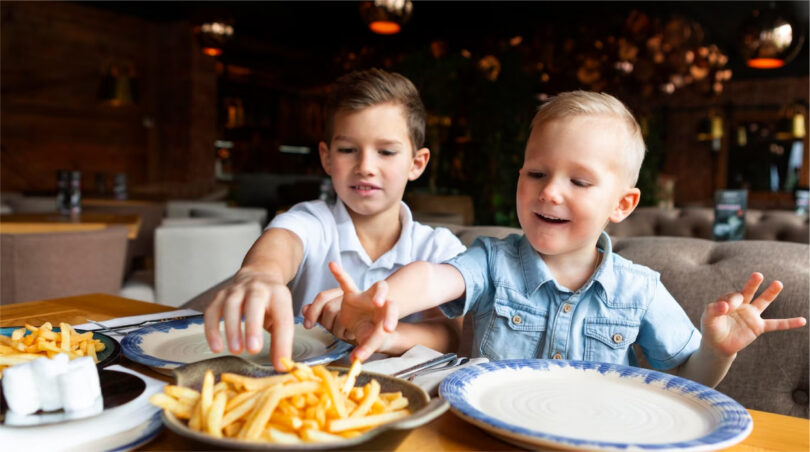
(597, 406)
(167, 345)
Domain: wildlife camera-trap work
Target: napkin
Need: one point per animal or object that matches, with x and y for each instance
(81, 434)
(118, 335)
(417, 354)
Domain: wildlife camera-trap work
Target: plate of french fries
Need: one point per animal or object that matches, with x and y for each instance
(235, 404)
(26, 343)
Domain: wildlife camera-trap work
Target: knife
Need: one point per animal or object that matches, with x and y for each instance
(447, 357)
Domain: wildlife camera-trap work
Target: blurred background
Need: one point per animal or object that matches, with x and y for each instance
(190, 99)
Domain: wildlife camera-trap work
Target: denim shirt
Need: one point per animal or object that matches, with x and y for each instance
(520, 311)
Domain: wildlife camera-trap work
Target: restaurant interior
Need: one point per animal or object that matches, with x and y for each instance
(144, 147)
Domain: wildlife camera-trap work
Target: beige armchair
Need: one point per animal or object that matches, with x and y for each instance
(60, 264)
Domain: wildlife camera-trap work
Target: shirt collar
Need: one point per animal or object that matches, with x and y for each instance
(349, 242)
(537, 273)
(604, 273)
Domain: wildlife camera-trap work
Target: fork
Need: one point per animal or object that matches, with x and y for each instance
(114, 329)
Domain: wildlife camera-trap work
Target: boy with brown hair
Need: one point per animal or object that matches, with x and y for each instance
(375, 132)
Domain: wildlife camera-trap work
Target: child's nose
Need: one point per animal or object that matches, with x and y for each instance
(366, 162)
(551, 192)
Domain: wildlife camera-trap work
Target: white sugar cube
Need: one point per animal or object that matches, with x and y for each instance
(45, 372)
(20, 390)
(79, 385)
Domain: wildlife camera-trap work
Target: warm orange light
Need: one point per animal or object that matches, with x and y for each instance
(765, 63)
(384, 27)
(212, 51)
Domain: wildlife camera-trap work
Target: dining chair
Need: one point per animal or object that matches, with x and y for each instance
(37, 266)
(190, 258)
(181, 208)
(151, 214)
(257, 214)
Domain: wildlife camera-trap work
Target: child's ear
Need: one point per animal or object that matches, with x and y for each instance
(419, 163)
(627, 203)
(323, 150)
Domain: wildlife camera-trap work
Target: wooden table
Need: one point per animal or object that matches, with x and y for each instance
(448, 432)
(34, 223)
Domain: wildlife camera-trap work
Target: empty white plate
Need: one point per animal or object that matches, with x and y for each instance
(585, 405)
(167, 345)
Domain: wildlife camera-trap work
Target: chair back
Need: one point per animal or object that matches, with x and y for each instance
(257, 214)
(39, 266)
(178, 208)
(190, 258)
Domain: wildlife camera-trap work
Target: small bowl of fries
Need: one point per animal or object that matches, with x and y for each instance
(235, 404)
(26, 343)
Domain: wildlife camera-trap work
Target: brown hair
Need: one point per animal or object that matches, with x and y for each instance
(362, 89)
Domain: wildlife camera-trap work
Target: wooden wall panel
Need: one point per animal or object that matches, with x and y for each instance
(53, 55)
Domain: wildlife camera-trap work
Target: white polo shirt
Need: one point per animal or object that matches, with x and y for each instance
(328, 234)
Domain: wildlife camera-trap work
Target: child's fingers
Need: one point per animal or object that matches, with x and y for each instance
(282, 332)
(784, 324)
(770, 294)
(717, 308)
(370, 344)
(256, 300)
(232, 313)
(213, 313)
(343, 278)
(313, 310)
(734, 300)
(751, 286)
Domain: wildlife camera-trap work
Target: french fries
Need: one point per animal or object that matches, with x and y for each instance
(307, 404)
(30, 342)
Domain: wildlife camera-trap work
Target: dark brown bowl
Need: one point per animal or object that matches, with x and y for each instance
(384, 437)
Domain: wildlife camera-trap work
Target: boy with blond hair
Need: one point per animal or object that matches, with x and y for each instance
(558, 291)
(375, 132)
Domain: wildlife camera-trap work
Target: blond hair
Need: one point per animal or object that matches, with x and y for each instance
(362, 89)
(586, 103)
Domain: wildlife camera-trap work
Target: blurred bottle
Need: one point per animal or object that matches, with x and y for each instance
(75, 194)
(120, 186)
(63, 192)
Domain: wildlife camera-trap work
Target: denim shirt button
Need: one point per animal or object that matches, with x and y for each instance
(567, 308)
(617, 338)
(516, 319)
(557, 356)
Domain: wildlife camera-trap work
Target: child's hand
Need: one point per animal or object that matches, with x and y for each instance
(325, 309)
(366, 315)
(734, 320)
(264, 303)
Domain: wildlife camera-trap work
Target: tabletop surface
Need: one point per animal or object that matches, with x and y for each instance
(33, 223)
(448, 432)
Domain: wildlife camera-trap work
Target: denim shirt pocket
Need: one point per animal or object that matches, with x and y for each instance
(514, 331)
(607, 340)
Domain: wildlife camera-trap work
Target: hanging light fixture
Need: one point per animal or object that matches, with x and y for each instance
(770, 40)
(212, 36)
(386, 17)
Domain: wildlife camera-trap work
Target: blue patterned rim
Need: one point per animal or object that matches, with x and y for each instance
(153, 426)
(131, 344)
(735, 422)
(105, 357)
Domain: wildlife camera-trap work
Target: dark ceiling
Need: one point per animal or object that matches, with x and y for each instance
(309, 29)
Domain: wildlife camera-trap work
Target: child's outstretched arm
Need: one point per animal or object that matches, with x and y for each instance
(728, 325)
(434, 330)
(258, 292)
(371, 316)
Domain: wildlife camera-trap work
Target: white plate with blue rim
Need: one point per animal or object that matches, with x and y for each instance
(167, 345)
(535, 403)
